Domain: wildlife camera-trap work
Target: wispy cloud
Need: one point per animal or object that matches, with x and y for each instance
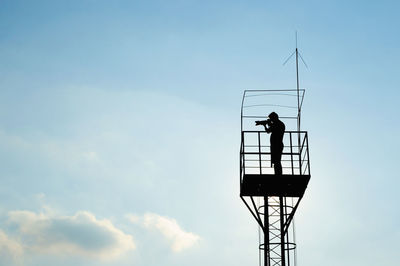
(178, 238)
(9, 248)
(81, 234)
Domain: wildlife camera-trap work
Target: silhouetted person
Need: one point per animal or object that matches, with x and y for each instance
(277, 128)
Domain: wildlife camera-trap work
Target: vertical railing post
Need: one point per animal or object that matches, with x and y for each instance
(259, 152)
(241, 159)
(300, 172)
(291, 153)
(308, 154)
(243, 156)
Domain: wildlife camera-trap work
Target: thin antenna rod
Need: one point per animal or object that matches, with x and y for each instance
(298, 96)
(297, 53)
(288, 58)
(298, 86)
(304, 62)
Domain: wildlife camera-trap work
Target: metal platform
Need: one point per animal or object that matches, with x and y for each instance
(273, 199)
(272, 185)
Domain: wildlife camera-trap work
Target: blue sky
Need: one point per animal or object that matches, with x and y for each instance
(119, 129)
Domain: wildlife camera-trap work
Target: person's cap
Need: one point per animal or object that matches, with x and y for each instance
(273, 115)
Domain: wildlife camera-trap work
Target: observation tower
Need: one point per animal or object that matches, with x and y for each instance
(273, 199)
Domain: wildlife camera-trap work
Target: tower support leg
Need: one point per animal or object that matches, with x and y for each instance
(266, 233)
(282, 222)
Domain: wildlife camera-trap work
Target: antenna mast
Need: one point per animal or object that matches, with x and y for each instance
(298, 87)
(297, 53)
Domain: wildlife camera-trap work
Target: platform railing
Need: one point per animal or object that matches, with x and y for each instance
(255, 154)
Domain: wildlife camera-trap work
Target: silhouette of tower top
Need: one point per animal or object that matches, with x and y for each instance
(271, 198)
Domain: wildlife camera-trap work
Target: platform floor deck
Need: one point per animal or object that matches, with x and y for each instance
(272, 185)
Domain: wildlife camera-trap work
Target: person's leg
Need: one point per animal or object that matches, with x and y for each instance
(278, 168)
(277, 161)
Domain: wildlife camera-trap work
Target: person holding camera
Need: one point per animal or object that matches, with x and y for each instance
(277, 128)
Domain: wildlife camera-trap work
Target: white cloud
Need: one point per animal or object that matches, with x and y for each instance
(169, 228)
(81, 234)
(9, 247)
